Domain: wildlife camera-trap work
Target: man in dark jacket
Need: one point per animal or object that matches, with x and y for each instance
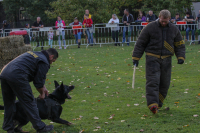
(127, 20)
(36, 26)
(160, 40)
(6, 27)
(15, 78)
(151, 17)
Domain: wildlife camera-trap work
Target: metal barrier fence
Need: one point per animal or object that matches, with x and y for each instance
(117, 34)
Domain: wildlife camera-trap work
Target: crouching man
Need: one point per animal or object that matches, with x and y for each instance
(15, 78)
(159, 40)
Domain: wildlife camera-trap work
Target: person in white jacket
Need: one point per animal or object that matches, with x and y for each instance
(115, 30)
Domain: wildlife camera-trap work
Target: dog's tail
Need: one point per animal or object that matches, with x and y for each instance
(1, 107)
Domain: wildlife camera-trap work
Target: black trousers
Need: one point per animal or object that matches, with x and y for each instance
(40, 37)
(158, 76)
(115, 36)
(24, 94)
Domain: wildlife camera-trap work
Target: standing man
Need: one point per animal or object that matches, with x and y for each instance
(151, 17)
(127, 20)
(160, 40)
(37, 25)
(90, 17)
(6, 27)
(198, 20)
(190, 20)
(15, 78)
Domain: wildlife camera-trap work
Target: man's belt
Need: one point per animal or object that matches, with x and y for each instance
(158, 56)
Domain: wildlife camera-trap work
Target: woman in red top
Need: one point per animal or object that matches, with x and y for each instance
(89, 31)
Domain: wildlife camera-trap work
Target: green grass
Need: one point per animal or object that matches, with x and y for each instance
(103, 78)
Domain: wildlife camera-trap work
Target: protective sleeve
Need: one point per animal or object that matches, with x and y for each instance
(40, 76)
(141, 43)
(179, 46)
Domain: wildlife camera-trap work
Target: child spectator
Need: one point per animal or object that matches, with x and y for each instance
(50, 37)
(78, 32)
(88, 24)
(60, 25)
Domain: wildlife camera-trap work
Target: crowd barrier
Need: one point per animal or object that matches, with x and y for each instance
(102, 34)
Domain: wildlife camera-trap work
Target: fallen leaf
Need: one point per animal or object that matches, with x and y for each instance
(99, 100)
(127, 81)
(141, 130)
(47, 79)
(166, 108)
(128, 105)
(186, 126)
(118, 78)
(122, 120)
(63, 131)
(98, 127)
(199, 94)
(81, 131)
(185, 92)
(49, 83)
(95, 130)
(51, 122)
(96, 118)
(195, 115)
(136, 104)
(106, 122)
(111, 117)
(83, 101)
(53, 74)
(142, 118)
(129, 64)
(176, 102)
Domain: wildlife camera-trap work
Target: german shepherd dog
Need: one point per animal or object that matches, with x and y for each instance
(49, 108)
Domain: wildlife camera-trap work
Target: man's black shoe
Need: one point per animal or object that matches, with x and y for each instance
(45, 129)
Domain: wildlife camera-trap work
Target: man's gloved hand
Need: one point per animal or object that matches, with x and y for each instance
(180, 61)
(135, 62)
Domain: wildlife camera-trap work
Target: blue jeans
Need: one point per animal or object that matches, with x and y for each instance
(125, 29)
(187, 33)
(90, 36)
(50, 42)
(78, 36)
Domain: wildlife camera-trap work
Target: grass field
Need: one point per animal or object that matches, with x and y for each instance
(103, 78)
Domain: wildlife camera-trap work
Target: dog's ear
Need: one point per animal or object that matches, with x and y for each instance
(62, 86)
(56, 83)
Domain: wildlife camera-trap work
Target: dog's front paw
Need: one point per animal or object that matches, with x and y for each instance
(69, 124)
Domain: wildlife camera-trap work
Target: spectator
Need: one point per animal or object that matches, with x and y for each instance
(77, 33)
(27, 37)
(127, 20)
(151, 17)
(198, 19)
(90, 16)
(141, 18)
(60, 25)
(37, 25)
(175, 19)
(87, 12)
(6, 27)
(88, 24)
(50, 37)
(190, 20)
(115, 30)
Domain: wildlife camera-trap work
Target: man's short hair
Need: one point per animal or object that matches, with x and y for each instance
(127, 10)
(187, 13)
(177, 13)
(53, 51)
(165, 13)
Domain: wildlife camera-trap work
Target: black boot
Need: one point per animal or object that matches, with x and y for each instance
(119, 44)
(115, 44)
(199, 42)
(45, 129)
(79, 45)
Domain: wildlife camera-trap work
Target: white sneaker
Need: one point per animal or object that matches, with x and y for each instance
(60, 47)
(65, 47)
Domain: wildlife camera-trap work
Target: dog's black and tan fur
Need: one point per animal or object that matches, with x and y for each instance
(49, 108)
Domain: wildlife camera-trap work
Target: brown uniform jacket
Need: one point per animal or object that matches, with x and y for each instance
(152, 42)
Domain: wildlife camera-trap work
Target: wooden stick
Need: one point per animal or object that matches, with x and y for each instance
(133, 82)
